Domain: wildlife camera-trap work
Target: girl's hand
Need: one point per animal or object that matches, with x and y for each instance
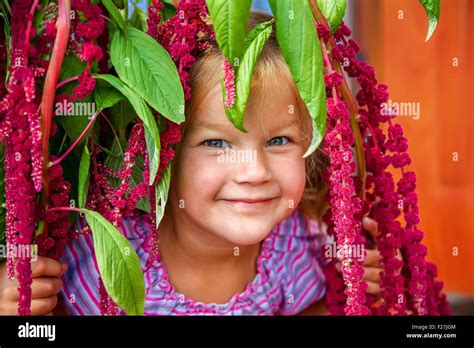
(372, 264)
(45, 287)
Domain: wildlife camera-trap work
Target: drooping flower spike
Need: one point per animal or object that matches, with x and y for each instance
(408, 285)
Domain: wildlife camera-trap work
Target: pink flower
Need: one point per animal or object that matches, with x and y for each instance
(229, 82)
(91, 52)
(392, 235)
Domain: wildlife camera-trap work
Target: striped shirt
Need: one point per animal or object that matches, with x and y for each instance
(289, 277)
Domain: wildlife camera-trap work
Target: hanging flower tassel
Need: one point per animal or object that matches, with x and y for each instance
(22, 159)
(345, 205)
(229, 82)
(384, 198)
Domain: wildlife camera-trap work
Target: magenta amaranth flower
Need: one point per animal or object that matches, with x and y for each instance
(345, 206)
(420, 298)
(90, 52)
(52, 244)
(86, 85)
(20, 132)
(229, 82)
(82, 42)
(154, 18)
(184, 37)
(107, 306)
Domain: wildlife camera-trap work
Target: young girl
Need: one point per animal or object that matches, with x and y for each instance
(240, 234)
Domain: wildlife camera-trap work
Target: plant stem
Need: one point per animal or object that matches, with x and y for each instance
(328, 64)
(49, 90)
(28, 25)
(77, 210)
(113, 131)
(347, 95)
(66, 81)
(79, 138)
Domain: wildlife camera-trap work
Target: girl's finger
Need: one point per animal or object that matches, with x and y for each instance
(10, 293)
(373, 258)
(42, 306)
(399, 254)
(45, 266)
(45, 287)
(370, 225)
(372, 274)
(373, 288)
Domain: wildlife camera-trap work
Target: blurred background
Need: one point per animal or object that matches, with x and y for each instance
(435, 77)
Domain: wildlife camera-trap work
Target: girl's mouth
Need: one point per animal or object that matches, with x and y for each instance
(249, 204)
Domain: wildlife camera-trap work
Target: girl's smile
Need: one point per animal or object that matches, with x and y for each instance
(245, 205)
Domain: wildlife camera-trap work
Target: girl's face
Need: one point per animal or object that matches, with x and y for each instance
(237, 186)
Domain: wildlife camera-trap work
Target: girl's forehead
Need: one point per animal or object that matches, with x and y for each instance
(275, 107)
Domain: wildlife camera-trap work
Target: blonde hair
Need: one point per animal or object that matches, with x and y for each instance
(270, 73)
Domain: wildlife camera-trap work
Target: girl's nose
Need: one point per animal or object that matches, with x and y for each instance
(254, 169)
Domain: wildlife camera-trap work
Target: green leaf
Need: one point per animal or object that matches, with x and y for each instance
(75, 116)
(120, 115)
(299, 43)
(432, 9)
(106, 97)
(254, 44)
(6, 6)
(145, 66)
(119, 265)
(230, 20)
(152, 136)
(138, 19)
(120, 3)
(334, 11)
(161, 194)
(71, 66)
(40, 228)
(114, 13)
(84, 167)
(114, 161)
(169, 10)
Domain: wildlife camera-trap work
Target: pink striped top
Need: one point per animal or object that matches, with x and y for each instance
(289, 277)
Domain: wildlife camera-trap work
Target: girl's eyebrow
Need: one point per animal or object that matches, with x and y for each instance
(229, 126)
(209, 125)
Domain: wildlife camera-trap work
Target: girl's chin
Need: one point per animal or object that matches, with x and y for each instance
(240, 235)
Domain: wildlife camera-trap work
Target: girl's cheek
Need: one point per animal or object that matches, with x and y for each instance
(200, 174)
(291, 174)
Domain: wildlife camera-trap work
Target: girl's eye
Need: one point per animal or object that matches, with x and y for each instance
(215, 143)
(277, 141)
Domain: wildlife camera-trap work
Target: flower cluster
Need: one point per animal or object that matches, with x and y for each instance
(185, 35)
(82, 42)
(154, 18)
(345, 205)
(20, 131)
(383, 199)
(229, 83)
(52, 243)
